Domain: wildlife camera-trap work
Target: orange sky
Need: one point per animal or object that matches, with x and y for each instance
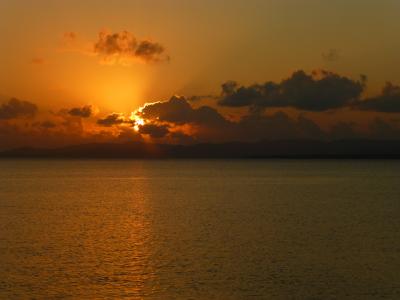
(48, 51)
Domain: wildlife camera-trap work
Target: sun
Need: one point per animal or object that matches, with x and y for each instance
(137, 121)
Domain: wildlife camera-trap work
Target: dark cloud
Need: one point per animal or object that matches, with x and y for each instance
(83, 112)
(344, 131)
(155, 131)
(126, 134)
(15, 108)
(150, 51)
(121, 43)
(380, 129)
(124, 45)
(388, 101)
(196, 98)
(111, 120)
(48, 124)
(209, 125)
(277, 126)
(177, 110)
(319, 91)
(50, 134)
(174, 121)
(205, 123)
(179, 137)
(309, 129)
(229, 88)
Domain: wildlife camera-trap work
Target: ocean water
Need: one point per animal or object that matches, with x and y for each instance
(199, 229)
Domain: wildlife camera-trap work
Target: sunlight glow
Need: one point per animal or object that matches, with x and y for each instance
(137, 121)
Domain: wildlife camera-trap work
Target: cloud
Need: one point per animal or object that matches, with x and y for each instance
(180, 121)
(277, 126)
(83, 112)
(380, 129)
(111, 120)
(48, 124)
(319, 91)
(150, 51)
(344, 130)
(122, 47)
(205, 124)
(15, 108)
(38, 61)
(70, 38)
(153, 130)
(309, 129)
(331, 56)
(126, 134)
(122, 43)
(70, 35)
(202, 124)
(179, 137)
(197, 98)
(174, 121)
(388, 101)
(69, 41)
(47, 129)
(177, 110)
(58, 132)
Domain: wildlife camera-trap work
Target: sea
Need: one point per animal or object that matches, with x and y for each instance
(199, 229)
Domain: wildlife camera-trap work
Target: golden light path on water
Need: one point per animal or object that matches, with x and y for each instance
(181, 229)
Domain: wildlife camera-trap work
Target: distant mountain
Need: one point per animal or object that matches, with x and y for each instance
(263, 149)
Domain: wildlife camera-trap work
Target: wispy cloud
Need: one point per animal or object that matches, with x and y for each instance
(37, 61)
(331, 55)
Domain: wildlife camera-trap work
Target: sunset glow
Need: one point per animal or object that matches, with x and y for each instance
(322, 86)
(199, 149)
(137, 122)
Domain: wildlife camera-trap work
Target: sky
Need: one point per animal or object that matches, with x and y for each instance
(175, 71)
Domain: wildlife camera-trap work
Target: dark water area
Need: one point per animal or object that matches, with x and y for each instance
(209, 229)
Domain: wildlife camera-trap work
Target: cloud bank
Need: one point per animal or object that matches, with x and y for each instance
(318, 91)
(264, 116)
(205, 124)
(388, 101)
